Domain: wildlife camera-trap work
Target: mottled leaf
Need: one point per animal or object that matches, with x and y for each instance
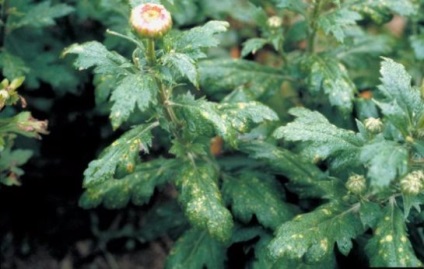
(336, 22)
(201, 200)
(250, 195)
(305, 178)
(327, 75)
(385, 160)
(390, 246)
(320, 139)
(314, 234)
(134, 90)
(197, 38)
(122, 154)
(137, 186)
(184, 64)
(94, 54)
(227, 75)
(403, 105)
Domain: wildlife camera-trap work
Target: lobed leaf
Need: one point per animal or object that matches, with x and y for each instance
(390, 246)
(226, 119)
(196, 249)
(320, 138)
(137, 186)
(337, 21)
(312, 235)
(250, 195)
(95, 54)
(227, 75)
(202, 202)
(403, 105)
(134, 90)
(12, 66)
(40, 15)
(386, 160)
(184, 64)
(253, 45)
(329, 76)
(305, 178)
(122, 154)
(198, 37)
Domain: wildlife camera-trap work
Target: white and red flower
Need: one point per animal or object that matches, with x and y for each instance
(150, 20)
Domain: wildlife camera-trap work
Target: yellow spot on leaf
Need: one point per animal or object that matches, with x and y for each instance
(389, 238)
(324, 244)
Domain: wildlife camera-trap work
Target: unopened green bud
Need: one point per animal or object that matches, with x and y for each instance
(412, 183)
(373, 125)
(150, 20)
(356, 184)
(275, 22)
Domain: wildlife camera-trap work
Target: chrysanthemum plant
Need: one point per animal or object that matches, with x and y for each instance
(355, 190)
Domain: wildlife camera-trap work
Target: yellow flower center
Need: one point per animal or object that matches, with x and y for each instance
(151, 15)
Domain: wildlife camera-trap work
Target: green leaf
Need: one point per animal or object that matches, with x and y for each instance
(201, 200)
(250, 195)
(164, 219)
(41, 15)
(369, 213)
(201, 117)
(137, 186)
(184, 64)
(412, 201)
(263, 260)
(321, 139)
(226, 119)
(328, 75)
(417, 43)
(293, 5)
(305, 178)
(133, 90)
(195, 250)
(121, 155)
(252, 46)
(390, 246)
(197, 38)
(337, 21)
(386, 160)
(241, 116)
(313, 235)
(94, 54)
(403, 105)
(12, 66)
(227, 75)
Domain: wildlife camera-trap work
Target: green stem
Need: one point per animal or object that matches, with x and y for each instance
(164, 94)
(150, 53)
(313, 25)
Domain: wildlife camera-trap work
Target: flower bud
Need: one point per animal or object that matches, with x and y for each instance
(29, 126)
(275, 22)
(373, 125)
(412, 183)
(356, 184)
(150, 20)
